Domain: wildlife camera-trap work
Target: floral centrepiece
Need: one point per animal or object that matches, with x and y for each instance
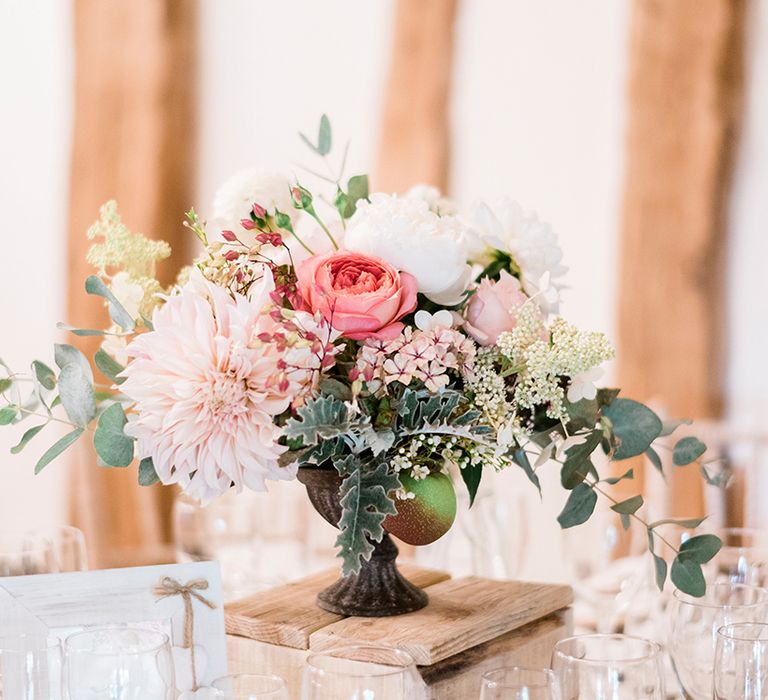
(393, 339)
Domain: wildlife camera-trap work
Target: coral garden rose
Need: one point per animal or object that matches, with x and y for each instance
(359, 295)
(493, 308)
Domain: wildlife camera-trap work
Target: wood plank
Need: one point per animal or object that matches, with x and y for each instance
(414, 145)
(685, 94)
(462, 613)
(288, 615)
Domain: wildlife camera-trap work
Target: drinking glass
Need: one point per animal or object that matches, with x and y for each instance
(741, 662)
(359, 673)
(609, 667)
(119, 663)
(251, 686)
(743, 558)
(693, 629)
(519, 684)
(46, 551)
(30, 668)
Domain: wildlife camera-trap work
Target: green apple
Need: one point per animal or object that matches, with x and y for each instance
(429, 515)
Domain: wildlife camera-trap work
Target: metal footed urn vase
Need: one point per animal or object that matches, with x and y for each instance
(379, 590)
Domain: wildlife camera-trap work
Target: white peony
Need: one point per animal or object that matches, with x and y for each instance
(532, 244)
(404, 232)
(435, 199)
(235, 198)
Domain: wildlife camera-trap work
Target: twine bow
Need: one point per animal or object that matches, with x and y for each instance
(169, 587)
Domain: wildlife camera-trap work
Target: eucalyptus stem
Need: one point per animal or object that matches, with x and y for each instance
(53, 418)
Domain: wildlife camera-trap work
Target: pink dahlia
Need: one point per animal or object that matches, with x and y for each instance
(210, 379)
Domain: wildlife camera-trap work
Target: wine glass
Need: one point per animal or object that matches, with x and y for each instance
(251, 686)
(519, 684)
(359, 673)
(119, 663)
(741, 662)
(30, 668)
(693, 629)
(47, 551)
(608, 666)
(743, 558)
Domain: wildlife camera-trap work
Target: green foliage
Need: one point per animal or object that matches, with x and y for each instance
(108, 366)
(655, 460)
(579, 506)
(628, 507)
(78, 331)
(44, 375)
(471, 475)
(112, 445)
(66, 354)
(687, 575)
(318, 419)
(57, 448)
(28, 435)
(118, 314)
(8, 414)
(687, 450)
(577, 464)
(612, 480)
(416, 409)
(147, 474)
(324, 141)
(660, 569)
(5, 384)
(634, 427)
(365, 503)
(700, 548)
(521, 460)
(77, 395)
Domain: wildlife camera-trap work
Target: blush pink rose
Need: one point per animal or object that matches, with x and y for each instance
(359, 295)
(492, 308)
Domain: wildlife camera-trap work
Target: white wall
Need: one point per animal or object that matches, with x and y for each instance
(35, 121)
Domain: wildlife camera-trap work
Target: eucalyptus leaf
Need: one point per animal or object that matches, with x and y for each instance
(67, 354)
(655, 460)
(579, 506)
(628, 506)
(28, 435)
(613, 480)
(78, 331)
(687, 450)
(357, 188)
(625, 521)
(471, 474)
(686, 574)
(700, 548)
(577, 464)
(147, 474)
(112, 445)
(8, 414)
(691, 523)
(324, 136)
(660, 567)
(57, 448)
(117, 312)
(634, 425)
(670, 426)
(77, 395)
(44, 375)
(5, 384)
(520, 458)
(108, 366)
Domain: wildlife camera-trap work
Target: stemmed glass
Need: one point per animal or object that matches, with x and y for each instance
(743, 558)
(741, 662)
(519, 684)
(250, 686)
(30, 668)
(694, 623)
(608, 666)
(119, 663)
(52, 550)
(359, 673)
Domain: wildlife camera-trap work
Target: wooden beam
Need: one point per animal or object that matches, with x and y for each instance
(684, 106)
(134, 141)
(414, 145)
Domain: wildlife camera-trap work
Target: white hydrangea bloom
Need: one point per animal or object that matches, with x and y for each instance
(435, 199)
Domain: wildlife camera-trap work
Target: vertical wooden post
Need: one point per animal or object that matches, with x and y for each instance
(134, 141)
(414, 145)
(684, 102)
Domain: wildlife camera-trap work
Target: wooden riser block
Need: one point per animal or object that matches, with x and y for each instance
(461, 614)
(288, 615)
(470, 626)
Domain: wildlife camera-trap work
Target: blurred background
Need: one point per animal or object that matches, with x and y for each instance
(638, 128)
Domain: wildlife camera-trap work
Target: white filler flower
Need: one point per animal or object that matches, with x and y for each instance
(408, 235)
